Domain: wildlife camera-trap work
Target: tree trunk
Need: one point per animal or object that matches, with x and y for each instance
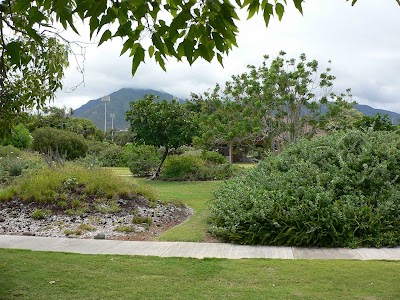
(231, 153)
(157, 173)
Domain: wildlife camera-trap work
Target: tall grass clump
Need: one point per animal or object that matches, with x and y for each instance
(49, 184)
(341, 190)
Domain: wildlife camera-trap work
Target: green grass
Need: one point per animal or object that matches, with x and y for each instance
(244, 165)
(46, 275)
(194, 194)
(119, 170)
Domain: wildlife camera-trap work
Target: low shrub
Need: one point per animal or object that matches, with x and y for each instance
(14, 163)
(9, 151)
(218, 172)
(39, 214)
(213, 157)
(142, 220)
(182, 167)
(341, 190)
(193, 167)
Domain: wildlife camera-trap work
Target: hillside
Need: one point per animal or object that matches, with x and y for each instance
(370, 111)
(119, 104)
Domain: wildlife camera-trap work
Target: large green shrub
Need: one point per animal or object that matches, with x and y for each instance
(142, 160)
(193, 167)
(182, 167)
(68, 144)
(213, 157)
(341, 190)
(112, 156)
(20, 137)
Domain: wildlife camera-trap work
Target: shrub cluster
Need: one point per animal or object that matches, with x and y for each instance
(341, 190)
(20, 137)
(142, 160)
(111, 155)
(14, 162)
(69, 145)
(192, 166)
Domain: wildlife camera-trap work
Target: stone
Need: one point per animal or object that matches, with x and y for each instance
(100, 236)
(28, 233)
(2, 219)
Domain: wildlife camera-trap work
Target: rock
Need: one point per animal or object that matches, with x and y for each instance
(99, 236)
(28, 233)
(139, 229)
(2, 219)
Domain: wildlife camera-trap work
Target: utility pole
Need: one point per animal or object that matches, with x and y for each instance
(112, 116)
(105, 99)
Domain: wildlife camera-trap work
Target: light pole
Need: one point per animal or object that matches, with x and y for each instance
(105, 99)
(112, 116)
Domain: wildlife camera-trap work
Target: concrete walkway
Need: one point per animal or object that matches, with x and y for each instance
(195, 250)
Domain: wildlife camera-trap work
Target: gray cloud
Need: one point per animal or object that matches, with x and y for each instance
(362, 42)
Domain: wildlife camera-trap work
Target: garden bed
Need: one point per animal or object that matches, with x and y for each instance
(137, 219)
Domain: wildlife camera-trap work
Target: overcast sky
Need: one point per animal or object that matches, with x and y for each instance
(363, 43)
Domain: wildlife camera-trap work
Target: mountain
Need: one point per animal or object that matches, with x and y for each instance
(118, 105)
(370, 111)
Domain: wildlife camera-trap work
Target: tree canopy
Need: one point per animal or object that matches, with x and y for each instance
(161, 123)
(274, 104)
(179, 29)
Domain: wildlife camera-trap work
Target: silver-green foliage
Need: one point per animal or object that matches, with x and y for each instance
(196, 167)
(341, 190)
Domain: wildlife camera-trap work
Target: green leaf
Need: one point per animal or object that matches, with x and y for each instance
(297, 4)
(179, 22)
(35, 16)
(134, 48)
(127, 45)
(105, 37)
(219, 42)
(137, 59)
(160, 61)
(253, 8)
(93, 24)
(220, 59)
(34, 35)
(21, 5)
(151, 51)
(188, 47)
(267, 15)
(13, 51)
(280, 9)
(156, 39)
(203, 52)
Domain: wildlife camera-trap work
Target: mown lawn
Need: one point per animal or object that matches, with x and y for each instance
(46, 275)
(194, 194)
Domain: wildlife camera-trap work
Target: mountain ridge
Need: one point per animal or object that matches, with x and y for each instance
(119, 105)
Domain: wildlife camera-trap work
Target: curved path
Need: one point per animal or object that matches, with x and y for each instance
(195, 250)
